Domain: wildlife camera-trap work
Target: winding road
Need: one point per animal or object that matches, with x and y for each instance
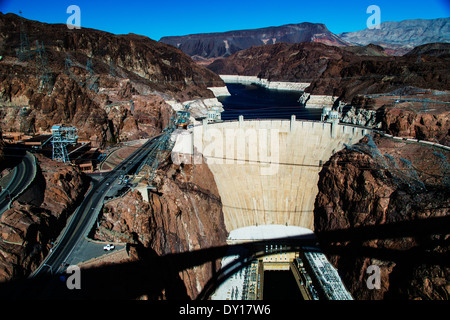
(84, 217)
(23, 174)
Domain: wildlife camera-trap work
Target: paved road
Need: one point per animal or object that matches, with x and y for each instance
(84, 217)
(23, 175)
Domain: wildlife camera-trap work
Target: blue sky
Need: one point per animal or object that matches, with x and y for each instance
(173, 17)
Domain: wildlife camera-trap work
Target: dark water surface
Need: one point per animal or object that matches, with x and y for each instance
(257, 102)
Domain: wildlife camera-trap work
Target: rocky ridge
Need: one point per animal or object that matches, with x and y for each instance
(214, 45)
(183, 214)
(93, 76)
(29, 228)
(398, 37)
(377, 184)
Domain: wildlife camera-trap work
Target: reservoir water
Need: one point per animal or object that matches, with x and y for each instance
(257, 102)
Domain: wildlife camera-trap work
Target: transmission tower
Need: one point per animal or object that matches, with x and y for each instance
(61, 138)
(23, 53)
(112, 70)
(160, 151)
(92, 79)
(44, 77)
(68, 65)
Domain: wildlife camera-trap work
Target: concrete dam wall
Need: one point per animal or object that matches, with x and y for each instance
(266, 171)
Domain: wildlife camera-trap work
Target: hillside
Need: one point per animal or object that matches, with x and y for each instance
(87, 78)
(214, 45)
(376, 192)
(398, 37)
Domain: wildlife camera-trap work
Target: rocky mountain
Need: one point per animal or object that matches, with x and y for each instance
(213, 45)
(185, 214)
(87, 78)
(36, 218)
(372, 187)
(431, 49)
(396, 37)
(401, 36)
(299, 62)
(90, 79)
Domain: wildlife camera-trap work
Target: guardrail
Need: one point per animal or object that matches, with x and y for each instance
(429, 143)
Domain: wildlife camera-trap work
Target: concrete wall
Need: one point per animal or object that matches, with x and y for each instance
(267, 171)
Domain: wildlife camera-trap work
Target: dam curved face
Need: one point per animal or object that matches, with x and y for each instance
(266, 171)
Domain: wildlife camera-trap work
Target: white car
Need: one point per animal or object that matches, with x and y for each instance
(108, 247)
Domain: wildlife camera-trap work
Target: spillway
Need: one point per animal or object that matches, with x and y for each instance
(266, 171)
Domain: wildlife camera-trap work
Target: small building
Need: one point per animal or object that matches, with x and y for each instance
(325, 112)
(330, 115)
(214, 114)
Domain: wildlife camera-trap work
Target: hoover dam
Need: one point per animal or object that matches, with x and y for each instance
(266, 171)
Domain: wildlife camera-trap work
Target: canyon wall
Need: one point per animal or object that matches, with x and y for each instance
(29, 228)
(111, 87)
(377, 184)
(274, 85)
(183, 214)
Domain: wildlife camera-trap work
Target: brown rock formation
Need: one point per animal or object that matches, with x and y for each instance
(185, 214)
(430, 126)
(205, 46)
(123, 68)
(411, 113)
(377, 186)
(37, 217)
(302, 62)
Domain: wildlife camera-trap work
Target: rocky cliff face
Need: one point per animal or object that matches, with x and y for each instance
(407, 112)
(377, 185)
(301, 62)
(184, 214)
(36, 218)
(375, 75)
(215, 45)
(92, 78)
(430, 126)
